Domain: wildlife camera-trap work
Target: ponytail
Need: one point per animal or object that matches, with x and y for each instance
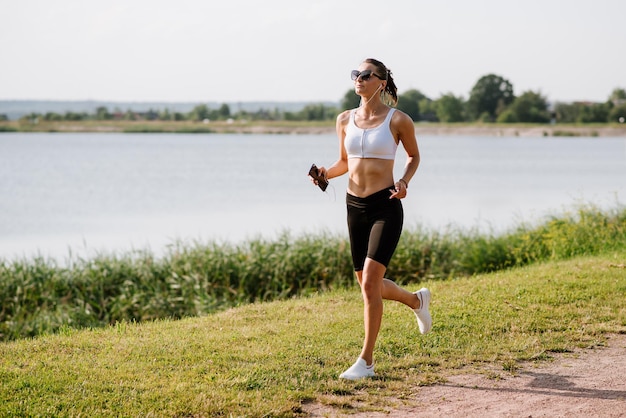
(389, 95)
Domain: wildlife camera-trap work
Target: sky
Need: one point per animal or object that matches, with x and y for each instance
(303, 51)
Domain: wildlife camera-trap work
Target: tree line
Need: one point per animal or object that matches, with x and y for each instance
(491, 99)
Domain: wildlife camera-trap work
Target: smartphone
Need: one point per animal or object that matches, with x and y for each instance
(321, 181)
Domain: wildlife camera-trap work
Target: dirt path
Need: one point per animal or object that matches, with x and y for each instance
(585, 383)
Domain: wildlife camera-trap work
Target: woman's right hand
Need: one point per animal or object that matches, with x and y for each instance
(321, 171)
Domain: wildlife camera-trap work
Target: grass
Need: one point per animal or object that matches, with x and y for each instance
(268, 359)
(38, 296)
(162, 340)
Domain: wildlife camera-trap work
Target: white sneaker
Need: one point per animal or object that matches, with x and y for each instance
(424, 320)
(358, 370)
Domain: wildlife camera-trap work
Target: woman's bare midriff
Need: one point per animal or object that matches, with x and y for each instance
(369, 175)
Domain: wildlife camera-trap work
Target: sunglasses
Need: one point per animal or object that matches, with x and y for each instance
(364, 75)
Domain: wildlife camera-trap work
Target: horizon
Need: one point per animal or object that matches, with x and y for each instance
(15, 109)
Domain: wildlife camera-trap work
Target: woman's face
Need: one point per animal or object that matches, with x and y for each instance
(368, 85)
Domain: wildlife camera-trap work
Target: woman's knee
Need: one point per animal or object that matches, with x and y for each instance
(372, 278)
(371, 287)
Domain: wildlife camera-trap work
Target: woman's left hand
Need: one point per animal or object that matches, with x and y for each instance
(398, 191)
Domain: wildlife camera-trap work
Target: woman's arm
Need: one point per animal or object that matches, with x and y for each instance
(405, 129)
(339, 167)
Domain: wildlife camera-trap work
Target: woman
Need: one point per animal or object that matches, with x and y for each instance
(368, 138)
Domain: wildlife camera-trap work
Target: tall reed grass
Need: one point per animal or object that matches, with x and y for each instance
(38, 296)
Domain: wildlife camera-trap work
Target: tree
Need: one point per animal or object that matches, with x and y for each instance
(151, 115)
(507, 116)
(428, 110)
(567, 112)
(350, 100)
(594, 113)
(32, 118)
(617, 96)
(530, 107)
(130, 115)
(165, 114)
(317, 112)
(450, 108)
(199, 113)
(53, 116)
(618, 113)
(491, 95)
(224, 111)
(102, 113)
(179, 116)
(409, 103)
(74, 116)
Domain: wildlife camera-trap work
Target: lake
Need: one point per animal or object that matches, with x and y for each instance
(88, 193)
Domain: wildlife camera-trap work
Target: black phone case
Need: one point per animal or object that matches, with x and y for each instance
(321, 181)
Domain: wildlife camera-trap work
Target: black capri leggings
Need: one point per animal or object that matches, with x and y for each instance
(375, 225)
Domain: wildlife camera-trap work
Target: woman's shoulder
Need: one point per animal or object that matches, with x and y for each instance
(401, 118)
(402, 124)
(400, 115)
(344, 116)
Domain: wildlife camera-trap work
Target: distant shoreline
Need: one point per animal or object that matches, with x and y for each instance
(592, 130)
(313, 128)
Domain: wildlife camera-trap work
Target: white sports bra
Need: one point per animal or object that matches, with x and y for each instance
(375, 142)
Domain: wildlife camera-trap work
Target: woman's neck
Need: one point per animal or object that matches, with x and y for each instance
(370, 108)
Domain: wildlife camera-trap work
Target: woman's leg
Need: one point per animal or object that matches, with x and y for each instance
(371, 281)
(375, 288)
(377, 240)
(391, 291)
(417, 301)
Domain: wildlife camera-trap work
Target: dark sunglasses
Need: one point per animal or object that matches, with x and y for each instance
(364, 75)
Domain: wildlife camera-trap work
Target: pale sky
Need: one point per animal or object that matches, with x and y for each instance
(291, 50)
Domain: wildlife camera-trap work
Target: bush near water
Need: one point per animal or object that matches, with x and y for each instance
(38, 296)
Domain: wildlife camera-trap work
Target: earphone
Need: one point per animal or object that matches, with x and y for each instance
(378, 88)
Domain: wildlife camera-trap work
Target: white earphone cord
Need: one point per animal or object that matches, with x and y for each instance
(334, 192)
(368, 100)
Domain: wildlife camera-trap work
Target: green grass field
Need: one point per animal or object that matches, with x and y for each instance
(267, 359)
(262, 328)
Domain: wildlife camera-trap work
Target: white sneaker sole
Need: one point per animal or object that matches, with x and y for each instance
(358, 370)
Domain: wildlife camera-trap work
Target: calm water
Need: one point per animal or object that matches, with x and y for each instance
(89, 193)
